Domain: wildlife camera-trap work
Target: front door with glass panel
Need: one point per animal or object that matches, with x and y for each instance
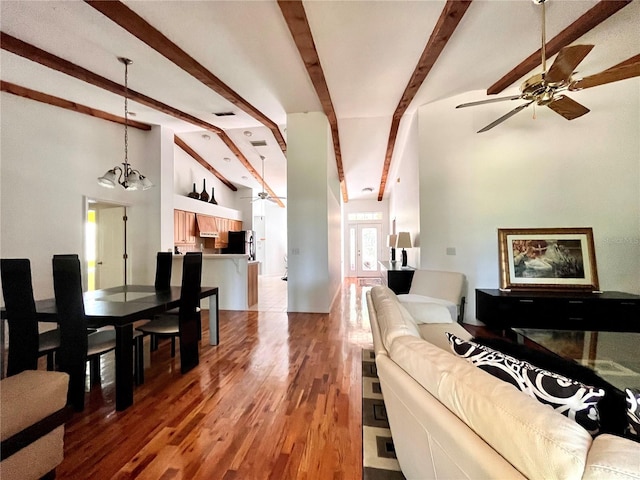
(364, 249)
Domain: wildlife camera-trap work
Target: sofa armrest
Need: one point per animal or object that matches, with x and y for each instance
(33, 432)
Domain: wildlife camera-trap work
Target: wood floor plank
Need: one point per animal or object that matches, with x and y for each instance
(279, 398)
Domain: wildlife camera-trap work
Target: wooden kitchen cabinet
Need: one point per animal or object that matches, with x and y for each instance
(184, 227)
(252, 287)
(223, 230)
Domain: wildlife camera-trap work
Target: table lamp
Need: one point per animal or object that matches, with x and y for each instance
(391, 242)
(404, 241)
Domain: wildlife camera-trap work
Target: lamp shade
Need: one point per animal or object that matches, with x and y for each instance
(109, 179)
(146, 183)
(404, 240)
(391, 240)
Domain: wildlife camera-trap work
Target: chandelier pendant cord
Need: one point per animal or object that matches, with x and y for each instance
(126, 116)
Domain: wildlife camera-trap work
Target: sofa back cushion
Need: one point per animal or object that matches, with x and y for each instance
(393, 319)
(537, 441)
(613, 457)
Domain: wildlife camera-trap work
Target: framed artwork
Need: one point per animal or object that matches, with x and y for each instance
(547, 258)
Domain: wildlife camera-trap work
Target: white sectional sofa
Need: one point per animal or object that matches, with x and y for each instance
(451, 420)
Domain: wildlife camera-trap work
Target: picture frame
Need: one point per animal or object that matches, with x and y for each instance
(547, 259)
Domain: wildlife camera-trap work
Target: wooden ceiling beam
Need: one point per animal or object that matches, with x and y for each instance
(593, 17)
(296, 18)
(447, 23)
(137, 26)
(193, 154)
(35, 54)
(68, 105)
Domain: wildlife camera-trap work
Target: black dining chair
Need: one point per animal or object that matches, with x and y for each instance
(185, 325)
(26, 345)
(163, 280)
(164, 263)
(76, 346)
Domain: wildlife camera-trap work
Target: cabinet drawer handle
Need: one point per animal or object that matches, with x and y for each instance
(525, 301)
(576, 318)
(576, 301)
(627, 303)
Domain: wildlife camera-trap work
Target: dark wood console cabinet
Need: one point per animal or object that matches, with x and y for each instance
(395, 277)
(608, 311)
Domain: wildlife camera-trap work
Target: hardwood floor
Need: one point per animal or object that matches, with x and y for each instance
(279, 398)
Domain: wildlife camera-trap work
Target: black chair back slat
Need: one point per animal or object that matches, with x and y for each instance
(188, 315)
(17, 289)
(164, 261)
(67, 284)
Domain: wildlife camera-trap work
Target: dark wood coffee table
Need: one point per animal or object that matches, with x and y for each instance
(614, 356)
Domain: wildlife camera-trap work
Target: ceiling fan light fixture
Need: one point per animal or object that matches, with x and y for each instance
(546, 88)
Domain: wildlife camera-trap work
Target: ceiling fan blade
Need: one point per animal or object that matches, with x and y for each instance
(567, 107)
(491, 100)
(565, 63)
(506, 116)
(610, 75)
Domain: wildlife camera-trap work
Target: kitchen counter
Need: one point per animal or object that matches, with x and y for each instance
(228, 272)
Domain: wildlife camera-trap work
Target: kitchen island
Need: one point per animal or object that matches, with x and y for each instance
(230, 273)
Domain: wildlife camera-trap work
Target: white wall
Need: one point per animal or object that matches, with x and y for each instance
(404, 188)
(546, 172)
(314, 267)
(51, 159)
(188, 171)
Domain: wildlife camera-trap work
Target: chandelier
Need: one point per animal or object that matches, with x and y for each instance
(129, 178)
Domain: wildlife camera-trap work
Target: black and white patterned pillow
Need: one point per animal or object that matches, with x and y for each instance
(633, 413)
(573, 399)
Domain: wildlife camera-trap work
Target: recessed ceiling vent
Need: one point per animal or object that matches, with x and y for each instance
(259, 143)
(224, 114)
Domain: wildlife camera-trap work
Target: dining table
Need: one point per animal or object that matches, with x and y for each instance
(120, 307)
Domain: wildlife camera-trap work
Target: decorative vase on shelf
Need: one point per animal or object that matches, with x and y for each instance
(194, 194)
(204, 196)
(213, 197)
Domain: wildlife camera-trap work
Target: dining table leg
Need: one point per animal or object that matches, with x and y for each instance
(214, 329)
(124, 366)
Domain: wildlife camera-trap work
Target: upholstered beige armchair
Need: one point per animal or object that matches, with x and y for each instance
(32, 417)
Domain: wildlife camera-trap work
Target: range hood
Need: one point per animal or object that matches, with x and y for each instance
(207, 226)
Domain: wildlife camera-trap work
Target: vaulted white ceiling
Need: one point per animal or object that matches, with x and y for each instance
(368, 51)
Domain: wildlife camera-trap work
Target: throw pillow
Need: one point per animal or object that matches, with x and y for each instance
(573, 399)
(612, 408)
(633, 413)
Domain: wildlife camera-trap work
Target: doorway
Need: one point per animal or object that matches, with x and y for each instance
(364, 249)
(105, 245)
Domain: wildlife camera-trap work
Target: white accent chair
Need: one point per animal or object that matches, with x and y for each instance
(435, 296)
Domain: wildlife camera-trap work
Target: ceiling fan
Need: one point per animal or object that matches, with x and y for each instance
(263, 195)
(545, 89)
